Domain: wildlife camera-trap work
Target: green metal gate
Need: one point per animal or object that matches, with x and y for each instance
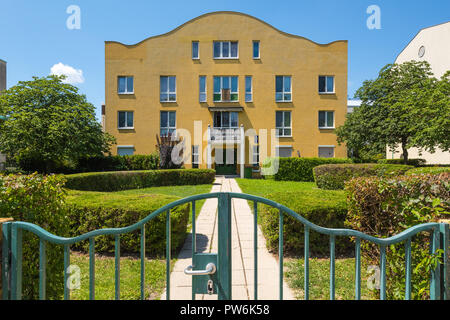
(211, 273)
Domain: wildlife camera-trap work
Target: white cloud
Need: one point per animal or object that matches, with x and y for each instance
(73, 75)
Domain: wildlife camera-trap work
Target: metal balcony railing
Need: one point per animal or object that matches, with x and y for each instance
(225, 134)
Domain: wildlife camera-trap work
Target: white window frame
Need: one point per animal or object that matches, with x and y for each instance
(255, 155)
(326, 86)
(126, 120)
(126, 85)
(284, 146)
(326, 116)
(259, 49)
(204, 92)
(197, 154)
(125, 147)
(326, 146)
(198, 50)
(282, 88)
(168, 89)
(229, 51)
(168, 127)
(221, 87)
(283, 127)
(251, 89)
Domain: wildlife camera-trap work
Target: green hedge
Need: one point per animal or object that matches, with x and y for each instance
(124, 180)
(299, 169)
(40, 200)
(334, 176)
(324, 208)
(118, 163)
(410, 162)
(116, 211)
(424, 170)
(384, 207)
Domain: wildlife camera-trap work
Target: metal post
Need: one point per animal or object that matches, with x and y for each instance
(445, 267)
(224, 246)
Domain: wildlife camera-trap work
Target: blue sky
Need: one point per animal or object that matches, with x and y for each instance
(34, 36)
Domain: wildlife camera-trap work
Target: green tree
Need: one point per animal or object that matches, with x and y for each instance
(403, 106)
(49, 123)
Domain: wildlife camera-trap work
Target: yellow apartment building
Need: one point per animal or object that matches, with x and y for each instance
(234, 87)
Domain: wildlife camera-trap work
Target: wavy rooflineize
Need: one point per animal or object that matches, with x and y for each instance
(218, 13)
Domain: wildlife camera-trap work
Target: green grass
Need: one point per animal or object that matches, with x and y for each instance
(130, 278)
(129, 266)
(319, 279)
(264, 187)
(136, 198)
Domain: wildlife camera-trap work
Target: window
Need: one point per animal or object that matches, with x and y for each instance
(226, 89)
(326, 84)
(326, 151)
(202, 88)
(225, 119)
(284, 151)
(195, 51)
(125, 85)
(167, 123)
(256, 50)
(255, 155)
(126, 120)
(248, 89)
(168, 90)
(283, 123)
(326, 119)
(195, 156)
(283, 89)
(225, 50)
(125, 150)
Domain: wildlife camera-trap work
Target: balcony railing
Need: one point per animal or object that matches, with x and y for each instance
(225, 134)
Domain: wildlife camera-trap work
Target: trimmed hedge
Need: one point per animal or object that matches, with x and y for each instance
(118, 163)
(124, 180)
(410, 162)
(324, 208)
(300, 169)
(384, 207)
(424, 170)
(40, 200)
(334, 176)
(116, 211)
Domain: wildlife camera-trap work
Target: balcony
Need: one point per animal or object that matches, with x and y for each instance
(225, 135)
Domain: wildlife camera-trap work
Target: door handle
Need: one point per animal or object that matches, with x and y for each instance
(210, 269)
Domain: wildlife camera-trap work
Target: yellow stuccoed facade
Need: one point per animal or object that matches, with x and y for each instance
(281, 54)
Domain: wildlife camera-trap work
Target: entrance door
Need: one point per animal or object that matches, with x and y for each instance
(222, 161)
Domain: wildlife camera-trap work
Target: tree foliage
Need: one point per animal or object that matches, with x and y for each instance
(405, 105)
(49, 122)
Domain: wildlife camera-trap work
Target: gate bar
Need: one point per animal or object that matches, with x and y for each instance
(168, 254)
(383, 273)
(194, 239)
(280, 251)
(408, 269)
(117, 267)
(255, 248)
(6, 271)
(66, 271)
(92, 268)
(42, 269)
(306, 263)
(143, 262)
(358, 269)
(332, 267)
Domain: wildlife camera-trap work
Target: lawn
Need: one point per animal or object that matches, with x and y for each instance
(129, 265)
(309, 195)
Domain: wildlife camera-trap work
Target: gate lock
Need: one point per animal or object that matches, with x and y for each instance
(203, 272)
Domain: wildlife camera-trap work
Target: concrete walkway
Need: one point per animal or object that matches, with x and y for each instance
(242, 253)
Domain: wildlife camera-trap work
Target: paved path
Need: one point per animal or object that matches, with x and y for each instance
(242, 252)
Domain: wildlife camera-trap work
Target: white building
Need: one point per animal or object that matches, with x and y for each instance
(430, 44)
(351, 104)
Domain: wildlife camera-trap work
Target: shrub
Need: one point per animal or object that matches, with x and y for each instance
(124, 180)
(116, 211)
(334, 176)
(410, 162)
(326, 209)
(424, 170)
(118, 163)
(40, 200)
(299, 169)
(383, 207)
